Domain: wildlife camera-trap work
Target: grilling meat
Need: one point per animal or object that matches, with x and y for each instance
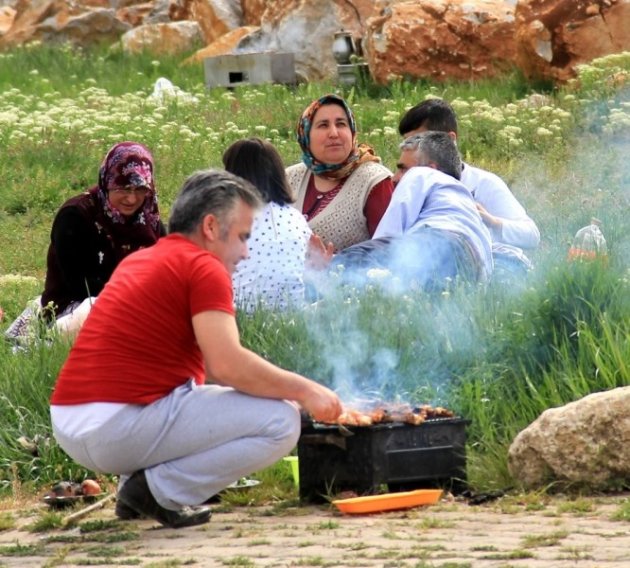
(391, 412)
(351, 417)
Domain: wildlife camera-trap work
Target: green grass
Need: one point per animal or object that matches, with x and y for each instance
(7, 521)
(20, 550)
(497, 356)
(512, 555)
(541, 540)
(623, 512)
(46, 522)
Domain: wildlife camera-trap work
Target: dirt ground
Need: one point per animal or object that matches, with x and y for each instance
(509, 532)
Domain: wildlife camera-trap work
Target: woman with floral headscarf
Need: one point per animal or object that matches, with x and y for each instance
(341, 187)
(92, 232)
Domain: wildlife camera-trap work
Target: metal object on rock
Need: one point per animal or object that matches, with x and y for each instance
(349, 74)
(343, 47)
(350, 67)
(250, 69)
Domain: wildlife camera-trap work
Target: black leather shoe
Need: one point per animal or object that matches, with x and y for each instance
(136, 495)
(124, 512)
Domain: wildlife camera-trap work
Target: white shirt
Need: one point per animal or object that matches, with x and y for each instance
(428, 197)
(488, 189)
(273, 274)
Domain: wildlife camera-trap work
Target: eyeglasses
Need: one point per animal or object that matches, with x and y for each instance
(129, 191)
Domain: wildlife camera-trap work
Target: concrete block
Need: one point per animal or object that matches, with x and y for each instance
(249, 69)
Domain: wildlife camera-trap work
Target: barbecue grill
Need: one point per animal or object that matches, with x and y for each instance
(362, 459)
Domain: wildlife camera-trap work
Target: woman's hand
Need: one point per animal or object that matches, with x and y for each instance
(318, 255)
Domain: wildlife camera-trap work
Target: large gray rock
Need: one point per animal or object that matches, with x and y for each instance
(585, 441)
(93, 26)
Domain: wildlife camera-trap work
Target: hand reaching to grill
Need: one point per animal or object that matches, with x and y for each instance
(322, 404)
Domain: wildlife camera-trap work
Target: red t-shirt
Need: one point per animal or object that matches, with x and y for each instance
(138, 343)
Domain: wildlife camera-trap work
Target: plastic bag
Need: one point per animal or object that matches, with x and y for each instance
(589, 243)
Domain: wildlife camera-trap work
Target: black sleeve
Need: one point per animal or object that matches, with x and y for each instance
(162, 229)
(77, 244)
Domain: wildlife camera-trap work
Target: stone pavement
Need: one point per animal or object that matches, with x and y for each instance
(506, 533)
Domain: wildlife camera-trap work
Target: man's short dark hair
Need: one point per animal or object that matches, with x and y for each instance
(436, 147)
(432, 114)
(206, 192)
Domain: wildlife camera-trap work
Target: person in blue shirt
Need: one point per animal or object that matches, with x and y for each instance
(510, 226)
(432, 233)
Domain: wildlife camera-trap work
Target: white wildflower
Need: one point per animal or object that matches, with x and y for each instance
(17, 279)
(378, 274)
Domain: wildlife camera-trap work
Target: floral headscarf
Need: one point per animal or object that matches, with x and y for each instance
(109, 235)
(359, 154)
(128, 164)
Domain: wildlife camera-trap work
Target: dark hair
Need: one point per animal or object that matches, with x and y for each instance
(209, 191)
(259, 163)
(432, 114)
(436, 147)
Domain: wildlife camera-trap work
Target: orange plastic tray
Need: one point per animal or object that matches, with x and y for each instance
(388, 501)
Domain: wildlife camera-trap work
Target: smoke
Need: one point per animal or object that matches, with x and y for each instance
(256, 42)
(382, 336)
(359, 373)
(591, 178)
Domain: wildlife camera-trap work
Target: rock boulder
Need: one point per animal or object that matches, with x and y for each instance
(440, 39)
(60, 21)
(305, 28)
(7, 15)
(136, 14)
(174, 37)
(93, 26)
(433, 39)
(215, 17)
(585, 441)
(553, 36)
(253, 11)
(225, 45)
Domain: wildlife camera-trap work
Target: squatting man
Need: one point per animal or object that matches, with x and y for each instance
(157, 387)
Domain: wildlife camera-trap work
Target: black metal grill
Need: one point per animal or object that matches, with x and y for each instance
(363, 459)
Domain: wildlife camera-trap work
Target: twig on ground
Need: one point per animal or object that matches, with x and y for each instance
(87, 510)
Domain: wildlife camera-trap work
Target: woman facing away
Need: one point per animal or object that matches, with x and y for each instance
(273, 274)
(342, 188)
(91, 233)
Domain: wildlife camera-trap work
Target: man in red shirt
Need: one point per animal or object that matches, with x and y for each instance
(158, 388)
